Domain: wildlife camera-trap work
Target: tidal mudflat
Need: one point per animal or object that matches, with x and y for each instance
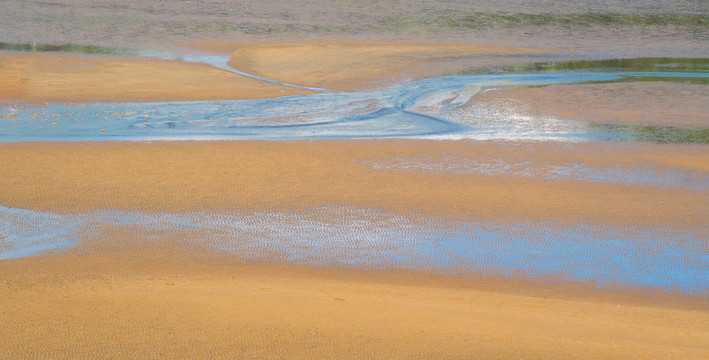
(192, 188)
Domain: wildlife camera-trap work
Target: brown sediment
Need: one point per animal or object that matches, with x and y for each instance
(299, 175)
(635, 103)
(149, 295)
(40, 78)
(350, 65)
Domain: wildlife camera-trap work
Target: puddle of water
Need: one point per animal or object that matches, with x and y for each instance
(655, 258)
(25, 233)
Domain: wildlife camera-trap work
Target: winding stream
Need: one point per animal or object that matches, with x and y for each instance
(440, 107)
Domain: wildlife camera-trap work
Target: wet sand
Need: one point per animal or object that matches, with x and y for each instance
(633, 103)
(127, 296)
(39, 78)
(363, 65)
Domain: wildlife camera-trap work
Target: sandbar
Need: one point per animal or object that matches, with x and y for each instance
(38, 78)
(342, 66)
(299, 175)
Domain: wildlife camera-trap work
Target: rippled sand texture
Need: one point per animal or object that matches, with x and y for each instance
(584, 241)
(162, 300)
(128, 289)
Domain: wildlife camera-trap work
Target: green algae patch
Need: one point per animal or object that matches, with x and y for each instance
(659, 134)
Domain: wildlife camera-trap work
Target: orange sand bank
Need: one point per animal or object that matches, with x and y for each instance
(299, 175)
(348, 66)
(39, 78)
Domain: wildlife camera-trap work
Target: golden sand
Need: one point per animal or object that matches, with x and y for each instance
(137, 292)
(150, 294)
(38, 78)
(299, 175)
(134, 297)
(348, 66)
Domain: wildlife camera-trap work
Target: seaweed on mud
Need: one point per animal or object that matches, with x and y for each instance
(659, 134)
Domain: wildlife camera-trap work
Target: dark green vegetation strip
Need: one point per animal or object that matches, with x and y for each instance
(660, 134)
(72, 48)
(660, 64)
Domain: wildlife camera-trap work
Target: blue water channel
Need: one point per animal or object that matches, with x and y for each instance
(425, 108)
